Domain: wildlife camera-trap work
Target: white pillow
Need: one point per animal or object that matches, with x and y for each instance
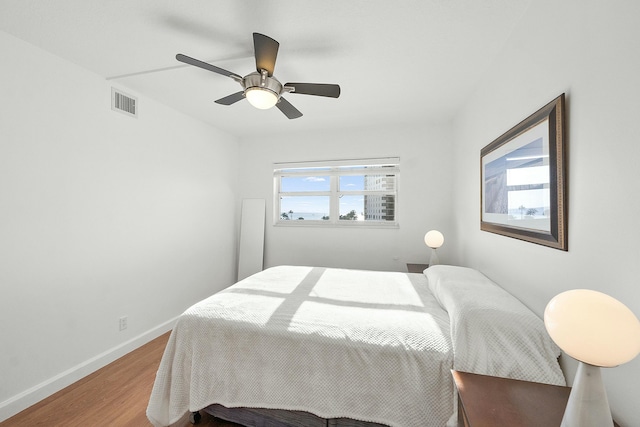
(493, 333)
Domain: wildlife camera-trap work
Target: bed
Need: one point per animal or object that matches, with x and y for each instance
(306, 346)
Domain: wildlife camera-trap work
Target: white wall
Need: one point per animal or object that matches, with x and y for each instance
(589, 50)
(102, 216)
(424, 198)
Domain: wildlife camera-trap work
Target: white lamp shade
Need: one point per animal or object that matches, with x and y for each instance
(593, 327)
(261, 98)
(434, 239)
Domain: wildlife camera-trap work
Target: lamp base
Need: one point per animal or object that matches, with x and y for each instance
(434, 258)
(588, 405)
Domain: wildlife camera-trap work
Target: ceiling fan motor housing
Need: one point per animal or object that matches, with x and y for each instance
(257, 80)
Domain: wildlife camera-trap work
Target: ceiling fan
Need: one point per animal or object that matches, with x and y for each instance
(260, 87)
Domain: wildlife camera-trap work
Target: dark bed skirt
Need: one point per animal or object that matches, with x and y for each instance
(256, 417)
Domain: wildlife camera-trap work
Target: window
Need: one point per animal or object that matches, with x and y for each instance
(337, 193)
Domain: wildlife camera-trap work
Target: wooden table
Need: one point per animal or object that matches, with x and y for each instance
(416, 268)
(485, 401)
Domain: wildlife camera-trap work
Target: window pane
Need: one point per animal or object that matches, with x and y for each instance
(352, 183)
(367, 182)
(304, 208)
(380, 182)
(367, 208)
(352, 208)
(304, 183)
(379, 208)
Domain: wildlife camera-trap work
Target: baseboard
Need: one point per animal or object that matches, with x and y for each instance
(35, 394)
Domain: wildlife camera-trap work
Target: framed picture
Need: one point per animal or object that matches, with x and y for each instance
(523, 181)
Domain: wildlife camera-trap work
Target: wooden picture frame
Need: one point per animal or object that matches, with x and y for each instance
(523, 182)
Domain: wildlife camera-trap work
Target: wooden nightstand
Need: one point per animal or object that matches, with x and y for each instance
(416, 268)
(485, 401)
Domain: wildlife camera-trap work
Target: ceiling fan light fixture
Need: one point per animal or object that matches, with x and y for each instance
(261, 98)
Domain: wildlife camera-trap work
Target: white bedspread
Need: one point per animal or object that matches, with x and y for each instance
(372, 346)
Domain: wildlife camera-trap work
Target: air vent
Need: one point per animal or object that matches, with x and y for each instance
(124, 103)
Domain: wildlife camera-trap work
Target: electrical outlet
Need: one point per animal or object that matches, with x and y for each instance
(123, 323)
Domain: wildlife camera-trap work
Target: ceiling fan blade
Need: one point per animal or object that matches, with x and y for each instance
(231, 99)
(289, 110)
(191, 61)
(317, 89)
(266, 51)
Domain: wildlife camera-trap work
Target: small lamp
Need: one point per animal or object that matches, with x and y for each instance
(598, 331)
(434, 239)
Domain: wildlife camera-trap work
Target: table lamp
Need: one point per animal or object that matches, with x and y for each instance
(434, 239)
(598, 331)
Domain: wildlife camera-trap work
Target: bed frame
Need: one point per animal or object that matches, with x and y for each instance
(257, 417)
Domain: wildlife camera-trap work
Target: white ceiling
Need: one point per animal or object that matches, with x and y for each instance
(396, 61)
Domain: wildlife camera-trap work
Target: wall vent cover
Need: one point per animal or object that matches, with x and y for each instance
(124, 103)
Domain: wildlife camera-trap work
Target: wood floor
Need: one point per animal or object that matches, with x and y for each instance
(116, 395)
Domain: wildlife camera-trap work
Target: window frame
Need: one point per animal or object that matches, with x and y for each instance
(335, 169)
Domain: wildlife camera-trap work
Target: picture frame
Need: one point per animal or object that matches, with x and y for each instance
(523, 180)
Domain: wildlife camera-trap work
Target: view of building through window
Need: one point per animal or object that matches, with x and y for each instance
(379, 207)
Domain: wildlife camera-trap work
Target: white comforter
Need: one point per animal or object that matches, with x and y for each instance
(372, 346)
